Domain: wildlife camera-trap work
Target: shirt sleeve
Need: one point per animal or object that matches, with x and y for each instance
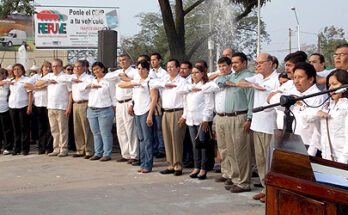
(249, 92)
(251, 79)
(157, 83)
(208, 111)
(112, 76)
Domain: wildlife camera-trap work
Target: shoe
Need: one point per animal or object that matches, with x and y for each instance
(140, 170)
(88, 156)
(25, 153)
(41, 152)
(122, 160)
(236, 189)
(105, 158)
(167, 171)
(220, 179)
(130, 161)
(77, 155)
(136, 163)
(145, 171)
(194, 175)
(160, 155)
(6, 152)
(53, 154)
(228, 187)
(263, 199)
(94, 158)
(62, 155)
(259, 196)
(15, 153)
(202, 177)
(177, 172)
(228, 182)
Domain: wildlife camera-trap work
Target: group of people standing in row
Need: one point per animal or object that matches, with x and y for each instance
(153, 108)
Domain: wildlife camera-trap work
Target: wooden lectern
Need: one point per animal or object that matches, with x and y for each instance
(291, 187)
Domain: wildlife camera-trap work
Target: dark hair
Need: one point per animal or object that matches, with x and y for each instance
(242, 56)
(275, 61)
(85, 63)
(202, 62)
(159, 57)
(308, 68)
(4, 72)
(144, 63)
(20, 66)
(146, 57)
(296, 57)
(225, 60)
(177, 64)
(283, 75)
(321, 57)
(187, 63)
(66, 66)
(344, 45)
(342, 77)
(100, 64)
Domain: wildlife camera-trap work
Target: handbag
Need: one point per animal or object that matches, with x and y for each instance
(199, 144)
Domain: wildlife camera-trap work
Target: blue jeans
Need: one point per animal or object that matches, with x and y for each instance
(158, 144)
(145, 135)
(100, 121)
(200, 155)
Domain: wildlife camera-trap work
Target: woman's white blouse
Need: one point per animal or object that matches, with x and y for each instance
(4, 91)
(141, 97)
(19, 95)
(101, 97)
(39, 96)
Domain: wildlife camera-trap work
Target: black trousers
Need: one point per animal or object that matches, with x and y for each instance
(6, 134)
(20, 124)
(44, 133)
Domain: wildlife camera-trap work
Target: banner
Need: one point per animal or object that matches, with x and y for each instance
(16, 30)
(72, 27)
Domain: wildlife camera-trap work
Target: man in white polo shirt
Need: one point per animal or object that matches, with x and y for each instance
(59, 107)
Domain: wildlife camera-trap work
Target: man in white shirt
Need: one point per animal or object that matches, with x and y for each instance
(263, 123)
(82, 132)
(125, 122)
(59, 107)
(341, 57)
(226, 53)
(156, 60)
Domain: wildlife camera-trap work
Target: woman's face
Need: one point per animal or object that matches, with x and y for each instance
(196, 75)
(46, 69)
(69, 70)
(334, 83)
(98, 71)
(143, 72)
(17, 71)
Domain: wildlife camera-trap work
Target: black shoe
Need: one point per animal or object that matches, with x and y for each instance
(136, 163)
(167, 171)
(177, 172)
(228, 182)
(15, 153)
(202, 177)
(25, 153)
(194, 175)
(160, 155)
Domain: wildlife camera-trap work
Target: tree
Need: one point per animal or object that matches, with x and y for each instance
(8, 7)
(175, 25)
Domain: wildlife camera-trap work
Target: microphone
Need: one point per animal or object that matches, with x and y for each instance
(340, 91)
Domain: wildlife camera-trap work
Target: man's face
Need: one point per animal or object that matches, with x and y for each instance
(289, 66)
(237, 64)
(185, 71)
(301, 80)
(227, 53)
(155, 63)
(125, 62)
(56, 67)
(224, 68)
(78, 69)
(314, 60)
(341, 59)
(263, 65)
(172, 69)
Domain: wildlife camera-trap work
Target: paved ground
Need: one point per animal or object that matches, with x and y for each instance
(38, 184)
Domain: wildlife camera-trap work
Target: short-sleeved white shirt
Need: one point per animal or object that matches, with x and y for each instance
(19, 95)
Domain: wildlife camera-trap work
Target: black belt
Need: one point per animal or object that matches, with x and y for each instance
(123, 101)
(235, 113)
(81, 102)
(95, 108)
(172, 110)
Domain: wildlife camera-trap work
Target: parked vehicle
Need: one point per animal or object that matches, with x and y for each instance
(14, 38)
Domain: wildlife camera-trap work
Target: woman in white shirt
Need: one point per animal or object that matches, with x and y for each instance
(20, 103)
(45, 143)
(145, 100)
(6, 134)
(198, 113)
(334, 120)
(100, 113)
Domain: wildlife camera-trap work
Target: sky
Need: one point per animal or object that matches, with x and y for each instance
(313, 16)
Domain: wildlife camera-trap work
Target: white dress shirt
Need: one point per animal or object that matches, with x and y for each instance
(58, 94)
(161, 73)
(102, 97)
(39, 96)
(19, 95)
(79, 92)
(171, 97)
(264, 121)
(338, 130)
(219, 95)
(199, 106)
(4, 91)
(141, 97)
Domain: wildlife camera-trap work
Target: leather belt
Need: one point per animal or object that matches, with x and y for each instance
(172, 110)
(235, 113)
(123, 101)
(81, 102)
(95, 108)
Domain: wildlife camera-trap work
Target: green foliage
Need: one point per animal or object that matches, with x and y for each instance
(8, 7)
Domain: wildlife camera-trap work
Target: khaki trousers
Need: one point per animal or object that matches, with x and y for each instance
(261, 143)
(173, 137)
(82, 132)
(59, 125)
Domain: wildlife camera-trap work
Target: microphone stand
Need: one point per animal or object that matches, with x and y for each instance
(288, 101)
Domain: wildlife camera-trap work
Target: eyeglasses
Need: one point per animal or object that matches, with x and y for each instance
(339, 55)
(261, 62)
(70, 70)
